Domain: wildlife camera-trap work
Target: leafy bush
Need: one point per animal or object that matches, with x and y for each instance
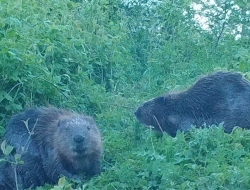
(104, 58)
(202, 159)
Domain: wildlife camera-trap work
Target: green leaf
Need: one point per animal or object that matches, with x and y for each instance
(6, 149)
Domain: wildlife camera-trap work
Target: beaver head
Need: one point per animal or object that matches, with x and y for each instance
(77, 137)
(156, 113)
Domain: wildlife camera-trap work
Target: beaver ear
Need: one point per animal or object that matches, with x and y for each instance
(174, 119)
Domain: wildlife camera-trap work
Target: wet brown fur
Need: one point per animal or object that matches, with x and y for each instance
(220, 97)
(62, 143)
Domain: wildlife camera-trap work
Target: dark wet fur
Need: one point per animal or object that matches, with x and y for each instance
(213, 99)
(61, 143)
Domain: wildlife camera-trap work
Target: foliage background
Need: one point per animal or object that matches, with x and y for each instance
(104, 58)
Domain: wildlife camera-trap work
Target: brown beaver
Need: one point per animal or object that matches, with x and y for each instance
(52, 142)
(221, 97)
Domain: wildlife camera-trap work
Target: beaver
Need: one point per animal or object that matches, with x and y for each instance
(52, 143)
(222, 97)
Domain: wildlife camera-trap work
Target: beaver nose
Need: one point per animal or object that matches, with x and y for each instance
(78, 138)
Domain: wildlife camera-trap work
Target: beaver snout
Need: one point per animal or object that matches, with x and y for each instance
(138, 113)
(78, 138)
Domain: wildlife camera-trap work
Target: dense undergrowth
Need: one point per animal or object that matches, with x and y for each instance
(202, 159)
(104, 58)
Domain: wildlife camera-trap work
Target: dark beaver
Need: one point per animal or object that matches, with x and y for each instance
(221, 97)
(52, 142)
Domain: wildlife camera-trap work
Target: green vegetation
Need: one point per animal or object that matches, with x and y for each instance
(104, 58)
